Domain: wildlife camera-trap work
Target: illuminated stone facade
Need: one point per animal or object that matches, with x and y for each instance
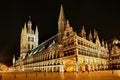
(29, 39)
(115, 54)
(67, 51)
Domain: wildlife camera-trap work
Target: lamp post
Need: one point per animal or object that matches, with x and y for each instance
(111, 65)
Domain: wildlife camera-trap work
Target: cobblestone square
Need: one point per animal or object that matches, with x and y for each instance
(96, 75)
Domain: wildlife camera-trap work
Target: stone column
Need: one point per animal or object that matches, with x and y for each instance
(76, 63)
(52, 69)
(76, 52)
(96, 67)
(88, 67)
(46, 69)
(62, 68)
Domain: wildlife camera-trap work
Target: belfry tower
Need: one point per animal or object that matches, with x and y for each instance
(29, 39)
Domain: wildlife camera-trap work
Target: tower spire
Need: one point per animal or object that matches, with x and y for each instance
(61, 16)
(61, 24)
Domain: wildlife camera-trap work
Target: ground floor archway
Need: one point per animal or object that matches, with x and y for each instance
(70, 66)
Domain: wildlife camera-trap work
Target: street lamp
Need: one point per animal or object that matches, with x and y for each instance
(111, 65)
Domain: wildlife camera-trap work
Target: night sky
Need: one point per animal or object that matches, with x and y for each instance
(98, 14)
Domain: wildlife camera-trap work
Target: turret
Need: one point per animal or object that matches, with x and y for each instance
(90, 36)
(83, 33)
(97, 41)
(95, 34)
(102, 44)
(68, 24)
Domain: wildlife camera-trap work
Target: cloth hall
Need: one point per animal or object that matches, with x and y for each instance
(66, 51)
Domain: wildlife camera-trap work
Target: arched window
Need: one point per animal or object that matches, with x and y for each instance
(32, 46)
(28, 46)
(28, 38)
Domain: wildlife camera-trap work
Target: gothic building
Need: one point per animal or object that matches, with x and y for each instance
(63, 52)
(115, 54)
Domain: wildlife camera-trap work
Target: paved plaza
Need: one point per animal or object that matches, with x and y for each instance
(96, 75)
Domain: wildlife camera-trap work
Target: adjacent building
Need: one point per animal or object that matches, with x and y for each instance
(115, 54)
(66, 51)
